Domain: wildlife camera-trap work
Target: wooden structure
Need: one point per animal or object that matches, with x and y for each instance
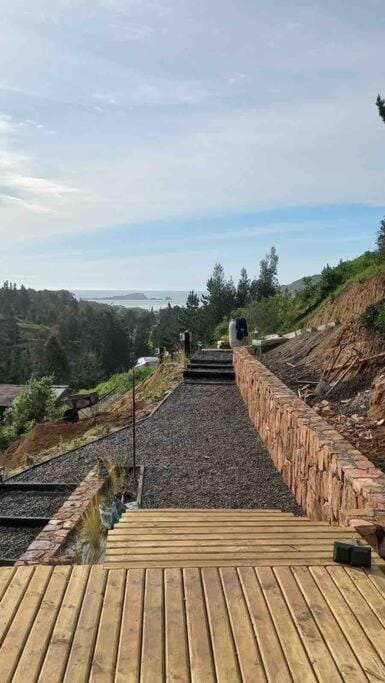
(194, 624)
(204, 538)
(208, 596)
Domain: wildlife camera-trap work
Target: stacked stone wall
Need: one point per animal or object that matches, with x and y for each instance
(330, 479)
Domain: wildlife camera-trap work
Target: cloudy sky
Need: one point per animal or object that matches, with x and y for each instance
(142, 140)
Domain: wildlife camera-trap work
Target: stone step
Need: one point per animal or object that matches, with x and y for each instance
(209, 366)
(222, 362)
(208, 373)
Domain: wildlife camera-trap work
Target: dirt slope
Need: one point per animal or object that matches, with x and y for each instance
(350, 302)
(50, 438)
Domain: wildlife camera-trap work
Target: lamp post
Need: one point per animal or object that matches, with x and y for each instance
(133, 419)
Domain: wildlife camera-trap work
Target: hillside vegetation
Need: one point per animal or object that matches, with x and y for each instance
(341, 293)
(50, 437)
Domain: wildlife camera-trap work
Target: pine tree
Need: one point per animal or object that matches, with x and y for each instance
(55, 359)
(381, 107)
(381, 238)
(267, 283)
(243, 289)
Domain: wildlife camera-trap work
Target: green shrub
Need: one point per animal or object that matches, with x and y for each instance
(374, 317)
(36, 404)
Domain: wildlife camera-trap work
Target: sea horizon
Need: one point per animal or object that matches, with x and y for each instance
(156, 298)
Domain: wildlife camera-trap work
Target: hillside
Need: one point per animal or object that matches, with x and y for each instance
(299, 285)
(49, 439)
(351, 301)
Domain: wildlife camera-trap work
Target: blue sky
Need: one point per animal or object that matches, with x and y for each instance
(143, 140)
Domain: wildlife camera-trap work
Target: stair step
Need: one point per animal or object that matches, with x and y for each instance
(208, 372)
(204, 361)
(211, 366)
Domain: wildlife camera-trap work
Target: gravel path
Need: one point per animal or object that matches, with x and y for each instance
(199, 450)
(14, 540)
(31, 503)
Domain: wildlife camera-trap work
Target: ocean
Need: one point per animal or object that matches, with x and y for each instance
(156, 298)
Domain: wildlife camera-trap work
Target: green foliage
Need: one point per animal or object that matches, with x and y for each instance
(381, 107)
(193, 317)
(243, 289)
(166, 333)
(120, 382)
(55, 360)
(36, 404)
(381, 238)
(51, 332)
(267, 283)
(374, 317)
(220, 299)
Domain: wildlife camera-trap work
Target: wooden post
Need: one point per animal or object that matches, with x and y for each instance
(134, 424)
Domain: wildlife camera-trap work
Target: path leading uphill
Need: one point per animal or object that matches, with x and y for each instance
(199, 450)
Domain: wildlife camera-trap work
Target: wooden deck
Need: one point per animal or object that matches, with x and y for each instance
(204, 538)
(228, 624)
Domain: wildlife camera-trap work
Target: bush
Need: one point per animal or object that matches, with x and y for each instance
(36, 404)
(374, 317)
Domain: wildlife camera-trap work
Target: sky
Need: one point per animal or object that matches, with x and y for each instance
(141, 141)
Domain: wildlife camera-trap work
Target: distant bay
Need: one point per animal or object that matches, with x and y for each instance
(155, 298)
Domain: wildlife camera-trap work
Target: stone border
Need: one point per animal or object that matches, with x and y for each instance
(330, 479)
(47, 544)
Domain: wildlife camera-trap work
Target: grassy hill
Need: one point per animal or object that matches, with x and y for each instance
(298, 285)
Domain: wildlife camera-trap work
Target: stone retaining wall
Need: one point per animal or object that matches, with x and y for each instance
(45, 548)
(330, 479)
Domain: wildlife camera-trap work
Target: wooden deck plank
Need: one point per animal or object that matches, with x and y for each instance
(225, 658)
(218, 542)
(152, 660)
(369, 592)
(6, 575)
(319, 655)
(223, 623)
(82, 648)
(377, 576)
(176, 645)
(283, 562)
(136, 518)
(12, 597)
(161, 511)
(208, 524)
(274, 662)
(201, 661)
(59, 646)
(262, 532)
(103, 663)
(291, 643)
(350, 625)
(335, 640)
(35, 648)
(130, 643)
(18, 632)
(249, 658)
(359, 607)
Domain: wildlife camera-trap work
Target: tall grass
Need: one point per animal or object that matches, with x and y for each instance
(120, 382)
(93, 533)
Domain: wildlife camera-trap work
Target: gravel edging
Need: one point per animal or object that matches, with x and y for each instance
(199, 450)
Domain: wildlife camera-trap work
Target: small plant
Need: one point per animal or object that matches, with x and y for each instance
(92, 534)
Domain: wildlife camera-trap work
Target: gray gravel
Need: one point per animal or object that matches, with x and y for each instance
(31, 503)
(14, 540)
(199, 450)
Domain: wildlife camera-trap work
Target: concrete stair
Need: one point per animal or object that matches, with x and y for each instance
(201, 370)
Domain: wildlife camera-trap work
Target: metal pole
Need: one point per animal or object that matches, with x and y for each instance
(133, 424)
